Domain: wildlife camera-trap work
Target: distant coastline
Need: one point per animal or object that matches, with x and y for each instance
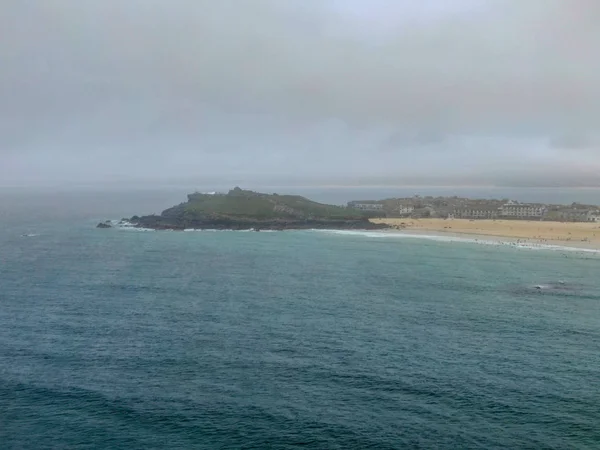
(445, 207)
(241, 209)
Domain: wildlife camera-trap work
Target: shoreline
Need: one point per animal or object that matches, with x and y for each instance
(500, 240)
(480, 237)
(255, 226)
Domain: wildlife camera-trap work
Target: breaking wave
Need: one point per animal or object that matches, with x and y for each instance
(466, 240)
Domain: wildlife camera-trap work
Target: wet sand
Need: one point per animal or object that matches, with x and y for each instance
(567, 234)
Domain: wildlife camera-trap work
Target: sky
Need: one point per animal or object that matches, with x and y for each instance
(501, 92)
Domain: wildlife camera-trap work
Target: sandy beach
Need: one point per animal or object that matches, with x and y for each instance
(568, 234)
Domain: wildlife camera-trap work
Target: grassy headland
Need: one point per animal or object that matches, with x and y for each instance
(243, 209)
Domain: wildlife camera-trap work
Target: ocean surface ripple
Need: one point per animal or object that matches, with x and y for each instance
(112, 339)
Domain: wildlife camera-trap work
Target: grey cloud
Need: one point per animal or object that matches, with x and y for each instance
(575, 142)
(194, 79)
(491, 72)
(414, 138)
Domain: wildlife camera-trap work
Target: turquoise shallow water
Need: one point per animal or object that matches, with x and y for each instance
(121, 339)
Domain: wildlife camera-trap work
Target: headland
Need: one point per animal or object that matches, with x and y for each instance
(241, 209)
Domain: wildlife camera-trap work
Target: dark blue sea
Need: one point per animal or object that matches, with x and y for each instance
(120, 339)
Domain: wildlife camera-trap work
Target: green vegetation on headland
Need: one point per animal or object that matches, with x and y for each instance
(243, 210)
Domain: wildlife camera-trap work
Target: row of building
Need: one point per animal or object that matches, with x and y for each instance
(530, 211)
(512, 210)
(480, 209)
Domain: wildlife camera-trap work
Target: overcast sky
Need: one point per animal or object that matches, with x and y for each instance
(371, 91)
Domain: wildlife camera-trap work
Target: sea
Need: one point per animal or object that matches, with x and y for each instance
(129, 339)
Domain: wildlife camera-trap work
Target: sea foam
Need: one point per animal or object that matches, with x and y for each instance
(127, 226)
(466, 240)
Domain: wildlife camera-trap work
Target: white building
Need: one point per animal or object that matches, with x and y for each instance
(523, 210)
(475, 213)
(405, 209)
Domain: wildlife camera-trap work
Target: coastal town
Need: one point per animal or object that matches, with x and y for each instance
(473, 209)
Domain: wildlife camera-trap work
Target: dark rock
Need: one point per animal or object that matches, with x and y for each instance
(104, 225)
(173, 223)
